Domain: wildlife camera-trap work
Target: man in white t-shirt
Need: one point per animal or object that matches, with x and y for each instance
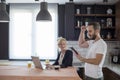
(96, 53)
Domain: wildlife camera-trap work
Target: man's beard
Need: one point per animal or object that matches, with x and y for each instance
(93, 37)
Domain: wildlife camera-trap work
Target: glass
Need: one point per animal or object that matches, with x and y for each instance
(56, 67)
(47, 61)
(29, 65)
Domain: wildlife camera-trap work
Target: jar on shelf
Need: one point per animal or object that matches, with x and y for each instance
(102, 23)
(78, 23)
(102, 36)
(109, 11)
(115, 36)
(86, 21)
(109, 22)
(77, 11)
(88, 10)
(109, 35)
(81, 23)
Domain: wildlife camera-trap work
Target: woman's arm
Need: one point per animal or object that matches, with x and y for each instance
(56, 61)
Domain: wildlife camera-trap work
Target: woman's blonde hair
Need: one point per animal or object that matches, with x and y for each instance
(60, 39)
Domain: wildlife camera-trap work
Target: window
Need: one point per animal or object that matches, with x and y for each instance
(28, 37)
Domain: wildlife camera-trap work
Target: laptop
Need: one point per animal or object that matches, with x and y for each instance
(36, 62)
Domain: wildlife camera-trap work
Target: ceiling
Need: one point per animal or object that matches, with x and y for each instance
(63, 1)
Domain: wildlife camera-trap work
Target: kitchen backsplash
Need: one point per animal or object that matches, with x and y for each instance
(112, 45)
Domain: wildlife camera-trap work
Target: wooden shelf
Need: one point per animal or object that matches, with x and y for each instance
(107, 15)
(78, 27)
(97, 15)
(84, 14)
(105, 39)
(110, 39)
(108, 28)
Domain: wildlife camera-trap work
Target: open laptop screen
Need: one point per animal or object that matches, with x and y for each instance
(37, 62)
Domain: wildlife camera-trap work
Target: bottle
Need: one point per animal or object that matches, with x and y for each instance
(102, 23)
(86, 22)
(78, 23)
(78, 11)
(47, 61)
(109, 22)
(108, 35)
(88, 10)
(103, 36)
(81, 23)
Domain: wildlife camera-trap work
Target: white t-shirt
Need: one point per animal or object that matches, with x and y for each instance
(98, 47)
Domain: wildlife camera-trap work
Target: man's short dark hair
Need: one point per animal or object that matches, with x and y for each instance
(95, 25)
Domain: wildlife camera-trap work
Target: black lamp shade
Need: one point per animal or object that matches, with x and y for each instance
(105, 1)
(44, 15)
(4, 17)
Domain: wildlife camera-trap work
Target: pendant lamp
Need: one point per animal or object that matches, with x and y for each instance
(4, 17)
(44, 14)
(105, 1)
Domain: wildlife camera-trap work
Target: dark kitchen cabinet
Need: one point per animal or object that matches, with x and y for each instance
(4, 38)
(69, 21)
(108, 74)
(61, 20)
(66, 21)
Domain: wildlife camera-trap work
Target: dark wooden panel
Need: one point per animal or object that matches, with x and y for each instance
(81, 73)
(118, 20)
(4, 40)
(110, 75)
(69, 21)
(61, 20)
